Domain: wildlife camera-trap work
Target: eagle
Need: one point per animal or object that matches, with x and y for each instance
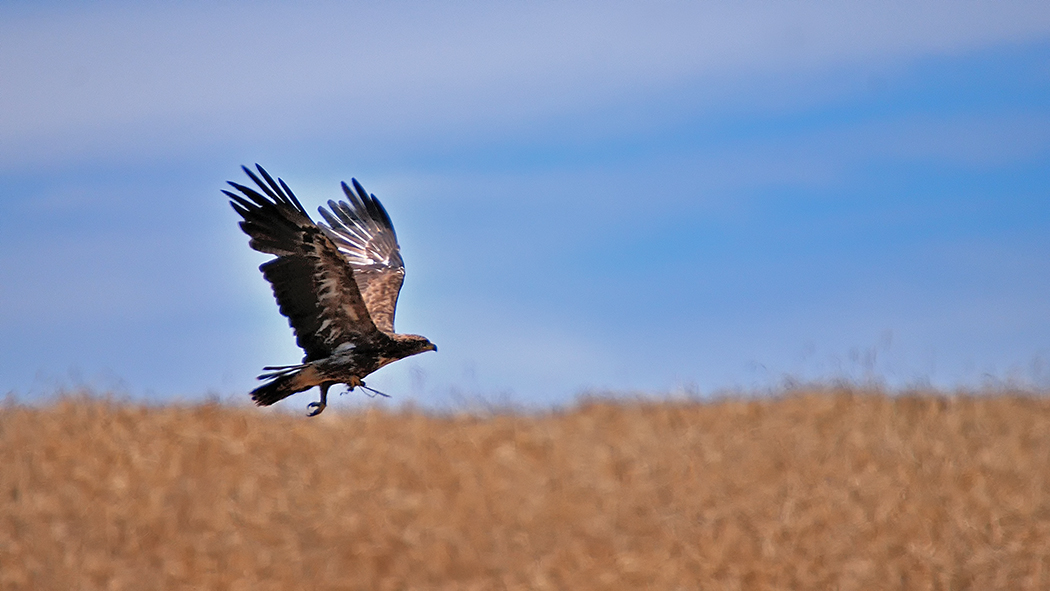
(336, 282)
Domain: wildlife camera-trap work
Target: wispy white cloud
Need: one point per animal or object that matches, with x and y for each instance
(84, 82)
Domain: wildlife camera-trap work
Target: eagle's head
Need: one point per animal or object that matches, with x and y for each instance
(411, 344)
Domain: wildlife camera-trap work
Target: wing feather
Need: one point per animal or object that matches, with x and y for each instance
(361, 228)
(312, 282)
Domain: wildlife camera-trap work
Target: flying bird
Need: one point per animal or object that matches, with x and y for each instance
(337, 283)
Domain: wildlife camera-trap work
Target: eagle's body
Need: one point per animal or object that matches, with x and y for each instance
(337, 283)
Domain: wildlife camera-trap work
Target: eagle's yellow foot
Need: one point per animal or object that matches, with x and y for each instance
(318, 408)
(354, 382)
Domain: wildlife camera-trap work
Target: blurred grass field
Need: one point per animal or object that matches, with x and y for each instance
(822, 490)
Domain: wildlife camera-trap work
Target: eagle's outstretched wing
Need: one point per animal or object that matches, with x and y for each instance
(314, 286)
(362, 230)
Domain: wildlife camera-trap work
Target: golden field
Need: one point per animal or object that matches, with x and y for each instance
(823, 490)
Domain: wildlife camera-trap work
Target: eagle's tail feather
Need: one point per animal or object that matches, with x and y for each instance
(275, 371)
(284, 382)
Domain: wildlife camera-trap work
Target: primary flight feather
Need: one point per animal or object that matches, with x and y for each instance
(337, 283)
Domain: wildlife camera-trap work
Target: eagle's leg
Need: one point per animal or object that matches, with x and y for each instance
(320, 406)
(354, 382)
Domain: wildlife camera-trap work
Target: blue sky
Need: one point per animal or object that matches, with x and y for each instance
(620, 197)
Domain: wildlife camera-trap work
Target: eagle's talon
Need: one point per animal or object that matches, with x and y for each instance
(317, 406)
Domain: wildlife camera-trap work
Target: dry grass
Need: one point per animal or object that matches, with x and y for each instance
(831, 490)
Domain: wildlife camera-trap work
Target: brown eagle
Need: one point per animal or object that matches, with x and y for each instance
(337, 284)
